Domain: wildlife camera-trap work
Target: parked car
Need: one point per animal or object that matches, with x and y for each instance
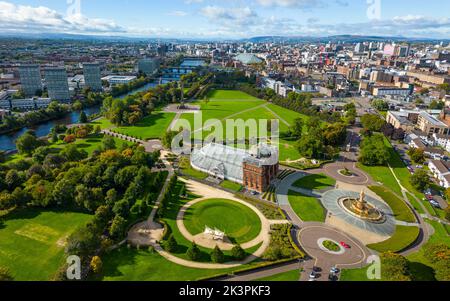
(435, 204)
(334, 270)
(312, 275)
(344, 245)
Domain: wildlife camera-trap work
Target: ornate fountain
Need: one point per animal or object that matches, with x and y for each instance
(360, 208)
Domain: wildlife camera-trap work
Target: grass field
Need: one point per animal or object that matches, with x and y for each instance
(315, 182)
(133, 265)
(170, 218)
(402, 238)
(401, 211)
(32, 242)
(420, 268)
(151, 127)
(307, 208)
(238, 221)
(287, 276)
(236, 105)
(231, 186)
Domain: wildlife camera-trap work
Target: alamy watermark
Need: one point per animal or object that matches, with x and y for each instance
(374, 269)
(73, 268)
(73, 8)
(374, 10)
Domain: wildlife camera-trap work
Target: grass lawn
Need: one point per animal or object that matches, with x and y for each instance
(307, 208)
(231, 186)
(188, 170)
(354, 275)
(401, 211)
(230, 94)
(383, 175)
(287, 276)
(421, 268)
(151, 127)
(315, 182)
(170, 218)
(90, 144)
(32, 242)
(103, 122)
(132, 265)
(239, 222)
(402, 238)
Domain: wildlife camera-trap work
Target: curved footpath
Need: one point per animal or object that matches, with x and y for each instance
(310, 233)
(154, 231)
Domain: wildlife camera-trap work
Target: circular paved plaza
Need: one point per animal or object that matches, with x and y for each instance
(330, 201)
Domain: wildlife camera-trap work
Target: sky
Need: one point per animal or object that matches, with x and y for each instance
(228, 19)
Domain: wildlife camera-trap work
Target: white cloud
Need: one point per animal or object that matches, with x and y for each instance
(292, 3)
(40, 19)
(178, 13)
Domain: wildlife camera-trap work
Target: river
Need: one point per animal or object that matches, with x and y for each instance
(7, 141)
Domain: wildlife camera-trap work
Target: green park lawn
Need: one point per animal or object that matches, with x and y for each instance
(420, 268)
(151, 127)
(141, 265)
(400, 209)
(403, 237)
(239, 222)
(230, 94)
(236, 105)
(32, 242)
(315, 182)
(231, 186)
(170, 218)
(307, 208)
(287, 276)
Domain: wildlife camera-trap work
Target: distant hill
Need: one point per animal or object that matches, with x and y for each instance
(334, 39)
(260, 39)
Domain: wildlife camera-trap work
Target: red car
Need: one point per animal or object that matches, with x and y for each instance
(345, 245)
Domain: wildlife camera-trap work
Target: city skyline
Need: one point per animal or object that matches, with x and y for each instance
(210, 19)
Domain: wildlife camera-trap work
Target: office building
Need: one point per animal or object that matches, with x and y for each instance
(57, 85)
(30, 78)
(92, 76)
(119, 79)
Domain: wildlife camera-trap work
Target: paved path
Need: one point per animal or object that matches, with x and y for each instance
(309, 233)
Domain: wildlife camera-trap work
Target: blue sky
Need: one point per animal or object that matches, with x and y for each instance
(229, 18)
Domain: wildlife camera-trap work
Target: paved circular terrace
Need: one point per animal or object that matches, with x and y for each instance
(310, 236)
(330, 201)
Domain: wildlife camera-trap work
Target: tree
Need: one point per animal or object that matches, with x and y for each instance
(27, 143)
(108, 143)
(96, 264)
(171, 244)
(5, 275)
(394, 267)
(380, 105)
(310, 147)
(335, 134)
(71, 153)
(217, 255)
(117, 227)
(297, 128)
(420, 180)
(373, 151)
(193, 253)
(238, 253)
(372, 122)
(417, 155)
(83, 117)
(70, 139)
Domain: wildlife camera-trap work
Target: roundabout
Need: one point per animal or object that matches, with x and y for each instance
(312, 239)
